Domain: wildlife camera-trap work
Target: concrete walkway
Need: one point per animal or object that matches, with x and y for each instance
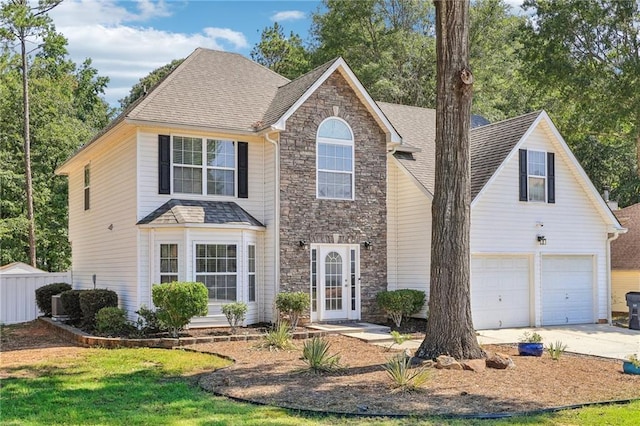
(589, 339)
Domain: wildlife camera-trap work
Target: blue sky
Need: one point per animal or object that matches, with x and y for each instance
(128, 39)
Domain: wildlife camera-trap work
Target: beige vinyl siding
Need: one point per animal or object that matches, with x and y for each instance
(149, 199)
(500, 224)
(409, 230)
(109, 254)
(260, 205)
(622, 282)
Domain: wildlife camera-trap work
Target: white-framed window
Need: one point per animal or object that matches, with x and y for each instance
(87, 186)
(335, 160)
(168, 263)
(251, 273)
(203, 166)
(537, 175)
(216, 266)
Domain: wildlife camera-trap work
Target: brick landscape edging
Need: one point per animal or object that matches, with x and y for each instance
(81, 338)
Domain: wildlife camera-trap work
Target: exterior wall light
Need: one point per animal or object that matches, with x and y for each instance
(303, 244)
(542, 240)
(367, 245)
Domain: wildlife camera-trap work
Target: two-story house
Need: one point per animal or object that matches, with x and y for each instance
(229, 174)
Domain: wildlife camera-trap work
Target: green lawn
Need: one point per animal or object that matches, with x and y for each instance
(152, 386)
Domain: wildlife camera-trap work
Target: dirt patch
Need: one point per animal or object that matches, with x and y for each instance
(30, 343)
(277, 378)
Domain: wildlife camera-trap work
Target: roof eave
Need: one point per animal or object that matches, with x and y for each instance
(392, 135)
(63, 169)
(235, 225)
(151, 123)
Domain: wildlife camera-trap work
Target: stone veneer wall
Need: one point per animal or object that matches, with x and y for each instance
(304, 217)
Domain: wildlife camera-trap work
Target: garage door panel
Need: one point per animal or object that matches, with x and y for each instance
(567, 290)
(500, 291)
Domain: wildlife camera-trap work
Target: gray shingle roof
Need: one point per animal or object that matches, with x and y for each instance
(418, 129)
(288, 94)
(212, 89)
(625, 251)
(490, 144)
(177, 211)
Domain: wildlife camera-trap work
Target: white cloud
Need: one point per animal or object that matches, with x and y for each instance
(124, 53)
(288, 15)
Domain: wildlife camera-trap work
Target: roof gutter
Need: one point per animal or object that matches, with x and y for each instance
(149, 123)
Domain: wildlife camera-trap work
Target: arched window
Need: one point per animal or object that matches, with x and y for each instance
(334, 160)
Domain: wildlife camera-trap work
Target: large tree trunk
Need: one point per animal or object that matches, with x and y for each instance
(27, 153)
(449, 326)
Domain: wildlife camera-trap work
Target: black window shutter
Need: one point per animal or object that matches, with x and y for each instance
(243, 170)
(523, 175)
(551, 177)
(164, 164)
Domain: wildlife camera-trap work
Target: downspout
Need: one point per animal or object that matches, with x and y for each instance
(613, 237)
(276, 218)
(395, 194)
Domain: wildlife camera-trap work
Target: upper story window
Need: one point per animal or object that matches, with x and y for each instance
(334, 161)
(87, 186)
(204, 166)
(537, 175)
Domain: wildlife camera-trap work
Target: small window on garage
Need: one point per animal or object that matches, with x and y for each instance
(87, 186)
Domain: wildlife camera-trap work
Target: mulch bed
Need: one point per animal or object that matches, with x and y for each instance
(279, 378)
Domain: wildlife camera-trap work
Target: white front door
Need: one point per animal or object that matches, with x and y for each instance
(333, 282)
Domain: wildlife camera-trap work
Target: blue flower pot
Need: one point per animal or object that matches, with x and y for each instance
(530, 349)
(629, 368)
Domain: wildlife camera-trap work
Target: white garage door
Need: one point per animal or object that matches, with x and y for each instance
(567, 290)
(500, 291)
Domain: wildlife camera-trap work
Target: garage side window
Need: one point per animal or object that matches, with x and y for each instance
(87, 187)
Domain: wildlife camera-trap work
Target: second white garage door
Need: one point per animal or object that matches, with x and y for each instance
(567, 290)
(500, 291)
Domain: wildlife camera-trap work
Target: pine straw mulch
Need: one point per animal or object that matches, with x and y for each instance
(279, 378)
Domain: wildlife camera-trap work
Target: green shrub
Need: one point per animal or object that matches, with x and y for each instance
(178, 302)
(279, 337)
(528, 337)
(235, 313)
(556, 350)
(71, 304)
(44, 293)
(91, 301)
(400, 303)
(112, 321)
(404, 377)
(148, 322)
(315, 353)
(292, 305)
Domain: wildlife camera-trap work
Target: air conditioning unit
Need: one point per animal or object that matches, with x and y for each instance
(57, 311)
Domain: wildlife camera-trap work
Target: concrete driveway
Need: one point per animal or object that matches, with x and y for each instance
(591, 339)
